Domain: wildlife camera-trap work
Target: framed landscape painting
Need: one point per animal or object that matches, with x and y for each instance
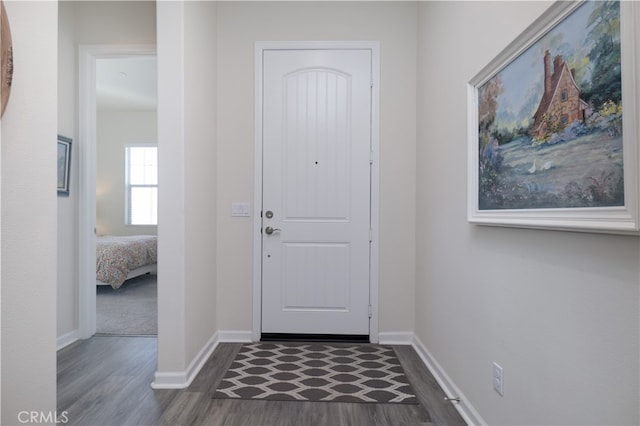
(553, 124)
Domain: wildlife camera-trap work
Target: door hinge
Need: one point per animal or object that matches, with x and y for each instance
(370, 157)
(371, 79)
(370, 311)
(370, 235)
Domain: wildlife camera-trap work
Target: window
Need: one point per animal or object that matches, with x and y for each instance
(141, 169)
(564, 96)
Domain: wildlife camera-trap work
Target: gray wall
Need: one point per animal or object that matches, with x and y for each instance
(394, 24)
(557, 310)
(29, 215)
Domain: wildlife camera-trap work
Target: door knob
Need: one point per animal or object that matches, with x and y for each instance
(269, 230)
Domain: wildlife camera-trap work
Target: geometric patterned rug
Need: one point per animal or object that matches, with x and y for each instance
(330, 372)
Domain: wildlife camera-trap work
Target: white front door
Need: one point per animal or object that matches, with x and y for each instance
(316, 191)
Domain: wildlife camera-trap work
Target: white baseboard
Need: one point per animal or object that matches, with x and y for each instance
(395, 337)
(169, 380)
(464, 407)
(235, 336)
(67, 339)
(182, 379)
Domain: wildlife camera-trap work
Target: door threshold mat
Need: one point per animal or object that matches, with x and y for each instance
(297, 337)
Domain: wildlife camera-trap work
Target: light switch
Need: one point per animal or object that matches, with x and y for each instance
(240, 210)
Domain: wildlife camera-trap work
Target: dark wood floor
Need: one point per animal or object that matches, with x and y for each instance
(105, 381)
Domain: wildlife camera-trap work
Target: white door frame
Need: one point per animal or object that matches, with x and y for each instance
(87, 56)
(260, 47)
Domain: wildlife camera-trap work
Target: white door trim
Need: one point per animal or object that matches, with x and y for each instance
(260, 47)
(87, 56)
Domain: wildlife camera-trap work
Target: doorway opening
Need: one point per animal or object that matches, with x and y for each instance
(117, 109)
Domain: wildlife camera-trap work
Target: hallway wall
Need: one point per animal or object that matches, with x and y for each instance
(241, 24)
(187, 153)
(29, 215)
(557, 310)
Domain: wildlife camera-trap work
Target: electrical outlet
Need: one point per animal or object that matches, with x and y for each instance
(498, 379)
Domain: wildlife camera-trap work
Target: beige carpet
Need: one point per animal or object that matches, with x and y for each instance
(131, 310)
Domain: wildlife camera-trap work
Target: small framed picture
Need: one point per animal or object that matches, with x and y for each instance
(64, 164)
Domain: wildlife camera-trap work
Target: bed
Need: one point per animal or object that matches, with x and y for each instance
(119, 258)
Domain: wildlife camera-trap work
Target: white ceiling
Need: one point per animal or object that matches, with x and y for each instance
(126, 83)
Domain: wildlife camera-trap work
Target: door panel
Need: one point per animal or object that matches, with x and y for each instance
(323, 268)
(317, 170)
(316, 182)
